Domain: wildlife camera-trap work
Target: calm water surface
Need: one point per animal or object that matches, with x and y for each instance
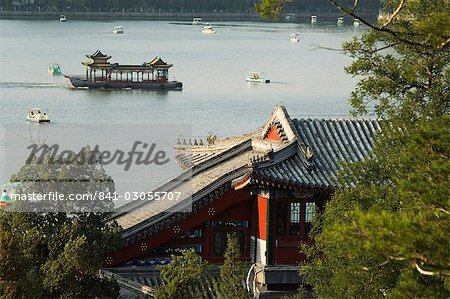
(213, 68)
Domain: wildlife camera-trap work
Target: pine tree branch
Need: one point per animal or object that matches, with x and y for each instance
(385, 47)
(430, 273)
(355, 4)
(394, 14)
(393, 33)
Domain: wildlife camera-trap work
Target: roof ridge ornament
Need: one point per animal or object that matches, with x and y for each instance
(281, 122)
(211, 139)
(309, 153)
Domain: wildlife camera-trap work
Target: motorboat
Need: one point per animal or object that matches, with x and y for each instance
(313, 19)
(197, 21)
(257, 77)
(54, 69)
(118, 29)
(295, 38)
(356, 22)
(38, 115)
(208, 29)
(62, 18)
(340, 21)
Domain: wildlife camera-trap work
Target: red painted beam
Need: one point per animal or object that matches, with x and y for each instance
(133, 251)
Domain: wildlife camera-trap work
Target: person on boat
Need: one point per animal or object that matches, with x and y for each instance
(5, 196)
(5, 199)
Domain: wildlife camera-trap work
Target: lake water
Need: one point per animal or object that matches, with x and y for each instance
(213, 68)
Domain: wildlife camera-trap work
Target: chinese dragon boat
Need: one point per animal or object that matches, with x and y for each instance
(100, 73)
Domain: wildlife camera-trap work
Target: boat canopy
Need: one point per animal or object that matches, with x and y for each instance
(157, 62)
(98, 55)
(100, 61)
(39, 110)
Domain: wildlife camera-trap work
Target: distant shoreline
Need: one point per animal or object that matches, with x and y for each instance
(167, 16)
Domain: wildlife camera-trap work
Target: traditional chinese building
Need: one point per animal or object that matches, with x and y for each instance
(263, 186)
(100, 73)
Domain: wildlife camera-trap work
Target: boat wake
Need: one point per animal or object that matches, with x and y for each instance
(29, 85)
(278, 82)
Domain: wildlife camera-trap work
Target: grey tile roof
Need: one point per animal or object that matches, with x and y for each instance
(212, 176)
(331, 143)
(308, 157)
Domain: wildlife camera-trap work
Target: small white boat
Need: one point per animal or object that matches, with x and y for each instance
(62, 18)
(118, 29)
(313, 19)
(38, 115)
(290, 16)
(356, 22)
(340, 20)
(197, 21)
(208, 29)
(295, 38)
(257, 77)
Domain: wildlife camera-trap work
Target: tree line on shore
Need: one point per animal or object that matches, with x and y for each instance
(174, 5)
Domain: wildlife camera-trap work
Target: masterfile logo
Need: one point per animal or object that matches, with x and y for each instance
(60, 168)
(141, 153)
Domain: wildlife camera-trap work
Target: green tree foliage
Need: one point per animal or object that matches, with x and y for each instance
(232, 273)
(183, 277)
(403, 63)
(56, 254)
(388, 234)
(270, 8)
(385, 231)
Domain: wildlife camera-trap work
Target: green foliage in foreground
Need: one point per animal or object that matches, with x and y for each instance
(183, 277)
(187, 277)
(388, 235)
(55, 254)
(232, 273)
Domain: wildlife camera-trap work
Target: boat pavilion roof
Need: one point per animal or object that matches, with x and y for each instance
(100, 60)
(157, 62)
(97, 60)
(98, 55)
